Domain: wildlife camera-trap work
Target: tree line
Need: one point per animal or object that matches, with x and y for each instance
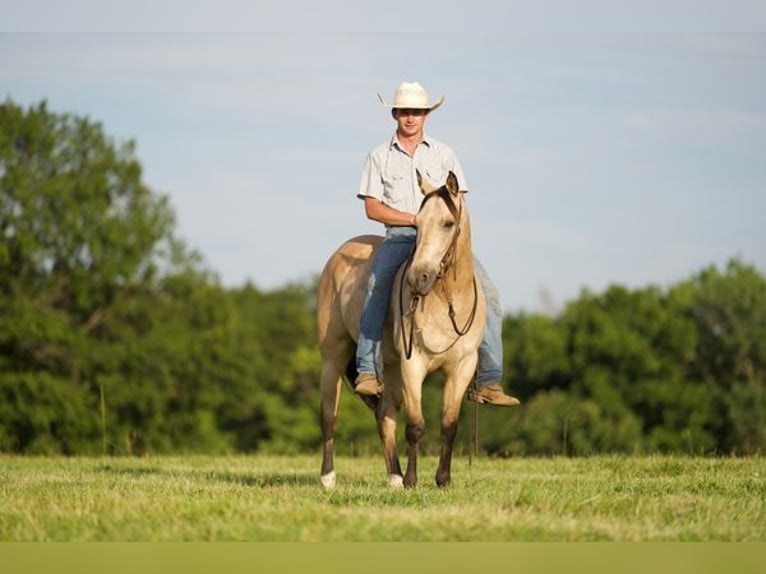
(115, 338)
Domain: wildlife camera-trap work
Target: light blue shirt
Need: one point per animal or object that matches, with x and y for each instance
(389, 172)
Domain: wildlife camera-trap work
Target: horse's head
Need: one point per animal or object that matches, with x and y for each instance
(439, 227)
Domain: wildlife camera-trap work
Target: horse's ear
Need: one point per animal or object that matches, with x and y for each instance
(420, 182)
(451, 183)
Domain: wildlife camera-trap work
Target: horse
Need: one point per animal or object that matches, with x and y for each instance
(435, 323)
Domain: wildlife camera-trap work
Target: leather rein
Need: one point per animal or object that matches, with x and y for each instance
(447, 262)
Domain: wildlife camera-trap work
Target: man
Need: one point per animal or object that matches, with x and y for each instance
(392, 196)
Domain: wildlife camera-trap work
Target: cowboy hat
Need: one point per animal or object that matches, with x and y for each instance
(411, 95)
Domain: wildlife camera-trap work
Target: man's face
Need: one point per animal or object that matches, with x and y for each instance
(410, 121)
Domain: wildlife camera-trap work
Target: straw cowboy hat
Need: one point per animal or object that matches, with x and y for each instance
(411, 96)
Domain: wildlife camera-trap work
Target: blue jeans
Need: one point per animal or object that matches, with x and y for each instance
(391, 253)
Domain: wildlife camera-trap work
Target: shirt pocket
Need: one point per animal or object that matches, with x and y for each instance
(436, 175)
(393, 174)
(394, 183)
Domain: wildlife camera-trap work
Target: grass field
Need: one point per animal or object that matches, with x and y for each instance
(260, 498)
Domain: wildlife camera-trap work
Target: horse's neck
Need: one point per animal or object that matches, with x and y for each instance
(462, 275)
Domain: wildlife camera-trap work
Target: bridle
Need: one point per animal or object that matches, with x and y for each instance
(447, 262)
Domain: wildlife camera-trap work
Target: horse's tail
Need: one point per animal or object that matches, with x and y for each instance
(351, 374)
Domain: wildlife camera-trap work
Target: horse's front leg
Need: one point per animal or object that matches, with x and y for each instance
(454, 388)
(412, 388)
(388, 409)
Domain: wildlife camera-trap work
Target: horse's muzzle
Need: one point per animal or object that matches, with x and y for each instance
(421, 280)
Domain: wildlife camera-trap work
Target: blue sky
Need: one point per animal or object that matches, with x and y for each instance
(594, 154)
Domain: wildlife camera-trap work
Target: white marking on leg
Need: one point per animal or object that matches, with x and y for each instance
(328, 480)
(395, 481)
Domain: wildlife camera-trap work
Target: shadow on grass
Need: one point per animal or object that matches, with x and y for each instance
(263, 480)
(266, 480)
(133, 471)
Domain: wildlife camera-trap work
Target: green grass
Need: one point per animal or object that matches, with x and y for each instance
(264, 498)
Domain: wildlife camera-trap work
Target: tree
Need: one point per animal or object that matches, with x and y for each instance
(729, 311)
(80, 237)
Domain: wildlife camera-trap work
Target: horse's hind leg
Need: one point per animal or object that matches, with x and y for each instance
(330, 383)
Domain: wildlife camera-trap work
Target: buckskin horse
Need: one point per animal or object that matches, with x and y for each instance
(435, 323)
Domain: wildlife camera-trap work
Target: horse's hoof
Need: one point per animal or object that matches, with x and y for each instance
(328, 480)
(395, 481)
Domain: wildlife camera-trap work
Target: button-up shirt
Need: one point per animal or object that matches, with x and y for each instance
(389, 172)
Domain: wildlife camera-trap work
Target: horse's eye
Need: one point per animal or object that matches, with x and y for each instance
(449, 224)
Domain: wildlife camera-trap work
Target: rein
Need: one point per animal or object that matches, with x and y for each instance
(448, 260)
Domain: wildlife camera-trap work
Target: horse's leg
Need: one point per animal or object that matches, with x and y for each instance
(330, 383)
(454, 388)
(386, 417)
(412, 389)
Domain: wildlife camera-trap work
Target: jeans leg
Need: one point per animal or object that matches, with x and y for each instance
(490, 368)
(394, 250)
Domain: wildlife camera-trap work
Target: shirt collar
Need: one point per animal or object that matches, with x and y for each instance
(395, 143)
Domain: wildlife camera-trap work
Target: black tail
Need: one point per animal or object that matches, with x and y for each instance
(351, 374)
